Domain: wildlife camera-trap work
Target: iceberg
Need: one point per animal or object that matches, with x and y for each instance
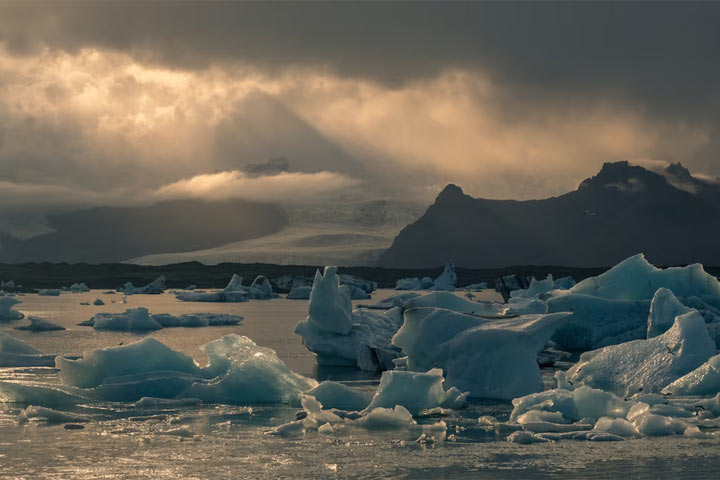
(400, 301)
(703, 381)
(6, 309)
(138, 319)
(340, 336)
(38, 324)
(260, 289)
(234, 291)
(337, 395)
(452, 302)
(98, 302)
(16, 353)
(235, 284)
(133, 319)
(647, 365)
(49, 292)
(409, 284)
(79, 288)
(386, 418)
(663, 309)
(597, 322)
(636, 279)
(447, 279)
(415, 391)
(245, 373)
(488, 358)
(155, 287)
(239, 373)
(300, 293)
(358, 283)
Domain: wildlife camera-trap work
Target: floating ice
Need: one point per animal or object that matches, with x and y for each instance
(6, 311)
(357, 282)
(16, 353)
(49, 292)
(300, 293)
(704, 380)
(447, 279)
(138, 319)
(488, 358)
(38, 324)
(235, 284)
(386, 418)
(98, 302)
(647, 365)
(415, 391)
(196, 319)
(155, 287)
(339, 336)
(664, 308)
(43, 414)
(336, 395)
(247, 374)
(452, 302)
(598, 322)
(260, 289)
(636, 279)
(133, 319)
(79, 288)
(400, 300)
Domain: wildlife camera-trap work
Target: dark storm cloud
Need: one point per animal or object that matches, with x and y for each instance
(662, 55)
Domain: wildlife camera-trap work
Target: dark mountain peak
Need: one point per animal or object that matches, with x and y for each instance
(450, 192)
(624, 177)
(679, 171)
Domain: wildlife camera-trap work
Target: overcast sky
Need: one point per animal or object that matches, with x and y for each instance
(123, 103)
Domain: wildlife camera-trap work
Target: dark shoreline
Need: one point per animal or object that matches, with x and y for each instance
(112, 275)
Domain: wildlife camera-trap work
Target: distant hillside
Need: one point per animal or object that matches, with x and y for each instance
(112, 234)
(671, 216)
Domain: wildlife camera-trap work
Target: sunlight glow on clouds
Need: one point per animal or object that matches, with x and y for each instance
(99, 121)
(283, 187)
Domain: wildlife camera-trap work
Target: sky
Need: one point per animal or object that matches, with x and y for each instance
(125, 103)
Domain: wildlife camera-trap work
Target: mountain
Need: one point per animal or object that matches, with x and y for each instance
(671, 216)
(112, 234)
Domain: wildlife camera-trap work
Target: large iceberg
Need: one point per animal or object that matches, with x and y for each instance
(488, 358)
(596, 322)
(636, 279)
(6, 309)
(400, 300)
(340, 336)
(155, 287)
(647, 365)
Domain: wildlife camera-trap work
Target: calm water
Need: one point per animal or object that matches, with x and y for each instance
(229, 442)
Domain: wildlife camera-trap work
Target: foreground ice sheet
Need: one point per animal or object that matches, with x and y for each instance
(488, 358)
(340, 336)
(6, 309)
(240, 373)
(647, 365)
